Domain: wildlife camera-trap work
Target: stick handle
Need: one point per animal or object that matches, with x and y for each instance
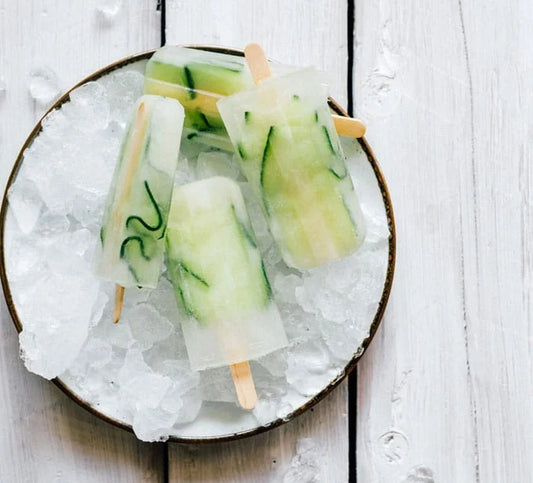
(119, 301)
(260, 70)
(348, 126)
(257, 62)
(244, 384)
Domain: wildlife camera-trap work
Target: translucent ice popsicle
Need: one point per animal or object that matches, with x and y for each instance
(218, 276)
(198, 79)
(135, 217)
(291, 155)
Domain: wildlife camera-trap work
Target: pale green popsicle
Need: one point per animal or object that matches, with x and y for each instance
(291, 155)
(219, 277)
(135, 218)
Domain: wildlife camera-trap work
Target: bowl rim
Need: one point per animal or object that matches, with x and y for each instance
(311, 402)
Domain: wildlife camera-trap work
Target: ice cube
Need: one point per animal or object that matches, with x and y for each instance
(44, 85)
(96, 353)
(163, 300)
(153, 423)
(89, 107)
(132, 366)
(123, 89)
(25, 204)
(107, 10)
(146, 325)
(265, 411)
(284, 287)
(309, 368)
(217, 385)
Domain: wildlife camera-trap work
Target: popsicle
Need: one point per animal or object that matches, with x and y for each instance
(199, 79)
(135, 216)
(292, 157)
(220, 282)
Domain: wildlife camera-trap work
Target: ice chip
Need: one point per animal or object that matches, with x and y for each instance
(123, 89)
(217, 385)
(133, 365)
(147, 326)
(107, 10)
(265, 411)
(192, 403)
(145, 390)
(309, 368)
(90, 105)
(96, 353)
(153, 423)
(44, 86)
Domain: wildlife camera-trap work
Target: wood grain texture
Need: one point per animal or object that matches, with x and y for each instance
(44, 435)
(269, 456)
(298, 34)
(445, 390)
(498, 235)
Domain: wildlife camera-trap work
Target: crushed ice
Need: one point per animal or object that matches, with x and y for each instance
(137, 371)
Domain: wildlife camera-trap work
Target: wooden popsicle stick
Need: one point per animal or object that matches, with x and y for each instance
(257, 62)
(348, 126)
(119, 301)
(244, 384)
(134, 152)
(260, 70)
(241, 373)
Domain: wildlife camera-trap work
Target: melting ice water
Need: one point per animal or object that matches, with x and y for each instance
(137, 371)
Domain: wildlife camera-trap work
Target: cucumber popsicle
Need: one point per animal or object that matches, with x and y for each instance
(198, 79)
(291, 155)
(219, 279)
(135, 217)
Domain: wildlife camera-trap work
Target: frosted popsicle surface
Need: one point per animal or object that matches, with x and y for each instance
(291, 155)
(135, 218)
(198, 79)
(218, 276)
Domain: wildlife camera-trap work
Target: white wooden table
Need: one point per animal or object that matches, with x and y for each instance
(445, 392)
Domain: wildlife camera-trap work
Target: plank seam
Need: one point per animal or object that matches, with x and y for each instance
(352, 379)
(162, 6)
(474, 184)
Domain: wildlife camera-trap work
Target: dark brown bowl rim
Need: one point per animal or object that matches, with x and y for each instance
(332, 385)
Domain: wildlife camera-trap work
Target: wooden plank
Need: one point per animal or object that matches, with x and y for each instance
(52, 44)
(298, 34)
(496, 192)
(445, 390)
(271, 456)
(410, 86)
